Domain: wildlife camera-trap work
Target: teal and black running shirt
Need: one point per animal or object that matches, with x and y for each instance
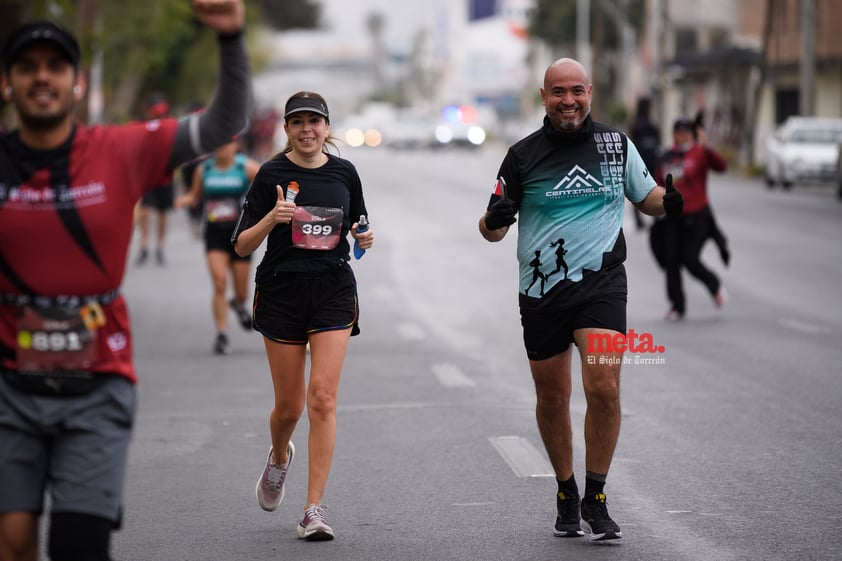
(569, 191)
(222, 183)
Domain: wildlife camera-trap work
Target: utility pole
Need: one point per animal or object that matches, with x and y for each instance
(807, 91)
(618, 12)
(583, 34)
(89, 31)
(658, 22)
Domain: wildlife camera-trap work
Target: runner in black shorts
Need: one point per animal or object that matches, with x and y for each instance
(158, 201)
(568, 182)
(548, 331)
(220, 183)
(297, 306)
(160, 198)
(306, 293)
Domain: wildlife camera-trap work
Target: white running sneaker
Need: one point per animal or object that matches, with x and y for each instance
(313, 527)
(270, 486)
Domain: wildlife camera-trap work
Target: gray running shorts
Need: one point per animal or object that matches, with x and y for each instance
(75, 448)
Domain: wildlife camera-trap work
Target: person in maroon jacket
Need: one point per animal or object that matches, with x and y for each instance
(67, 198)
(689, 161)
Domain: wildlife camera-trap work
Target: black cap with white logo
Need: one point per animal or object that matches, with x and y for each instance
(305, 103)
(40, 31)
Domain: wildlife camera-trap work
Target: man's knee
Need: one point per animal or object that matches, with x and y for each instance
(553, 397)
(79, 537)
(602, 385)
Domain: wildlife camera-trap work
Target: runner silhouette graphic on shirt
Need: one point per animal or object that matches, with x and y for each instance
(536, 272)
(560, 263)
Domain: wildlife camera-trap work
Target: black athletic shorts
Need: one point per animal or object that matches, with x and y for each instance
(161, 198)
(218, 237)
(293, 306)
(549, 323)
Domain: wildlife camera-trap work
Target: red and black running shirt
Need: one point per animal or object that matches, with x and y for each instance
(66, 219)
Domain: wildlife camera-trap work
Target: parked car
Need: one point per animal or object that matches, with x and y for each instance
(803, 149)
(839, 171)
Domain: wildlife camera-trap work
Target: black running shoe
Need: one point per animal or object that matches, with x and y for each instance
(567, 522)
(243, 316)
(220, 345)
(595, 515)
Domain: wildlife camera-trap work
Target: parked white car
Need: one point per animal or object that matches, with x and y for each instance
(803, 149)
(839, 172)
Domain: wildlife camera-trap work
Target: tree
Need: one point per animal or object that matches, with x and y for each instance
(554, 22)
(375, 23)
(150, 45)
(282, 15)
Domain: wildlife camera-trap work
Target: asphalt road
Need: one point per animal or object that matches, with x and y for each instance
(729, 450)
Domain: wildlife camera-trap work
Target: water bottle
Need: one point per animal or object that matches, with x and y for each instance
(361, 227)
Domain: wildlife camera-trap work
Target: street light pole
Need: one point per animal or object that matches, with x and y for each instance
(807, 94)
(583, 36)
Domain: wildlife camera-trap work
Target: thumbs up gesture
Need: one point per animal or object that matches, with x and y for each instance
(673, 200)
(283, 211)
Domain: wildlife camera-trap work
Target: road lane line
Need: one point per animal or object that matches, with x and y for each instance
(522, 457)
(804, 327)
(450, 376)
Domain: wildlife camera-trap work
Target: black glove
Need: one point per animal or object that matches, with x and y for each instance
(673, 200)
(501, 213)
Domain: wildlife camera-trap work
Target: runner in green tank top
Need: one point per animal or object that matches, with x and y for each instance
(222, 181)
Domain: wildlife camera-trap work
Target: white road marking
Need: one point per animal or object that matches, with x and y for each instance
(450, 376)
(522, 457)
(803, 326)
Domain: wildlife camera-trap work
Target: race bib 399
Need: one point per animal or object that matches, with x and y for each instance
(316, 227)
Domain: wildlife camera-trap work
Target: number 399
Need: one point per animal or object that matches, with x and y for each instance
(317, 229)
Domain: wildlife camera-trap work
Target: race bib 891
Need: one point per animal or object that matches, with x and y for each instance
(57, 338)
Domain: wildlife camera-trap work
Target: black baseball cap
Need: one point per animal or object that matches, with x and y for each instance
(306, 103)
(683, 123)
(40, 31)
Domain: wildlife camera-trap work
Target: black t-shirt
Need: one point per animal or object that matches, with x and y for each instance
(646, 137)
(333, 185)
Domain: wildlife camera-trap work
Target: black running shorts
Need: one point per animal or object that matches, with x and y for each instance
(161, 198)
(294, 306)
(218, 237)
(548, 327)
